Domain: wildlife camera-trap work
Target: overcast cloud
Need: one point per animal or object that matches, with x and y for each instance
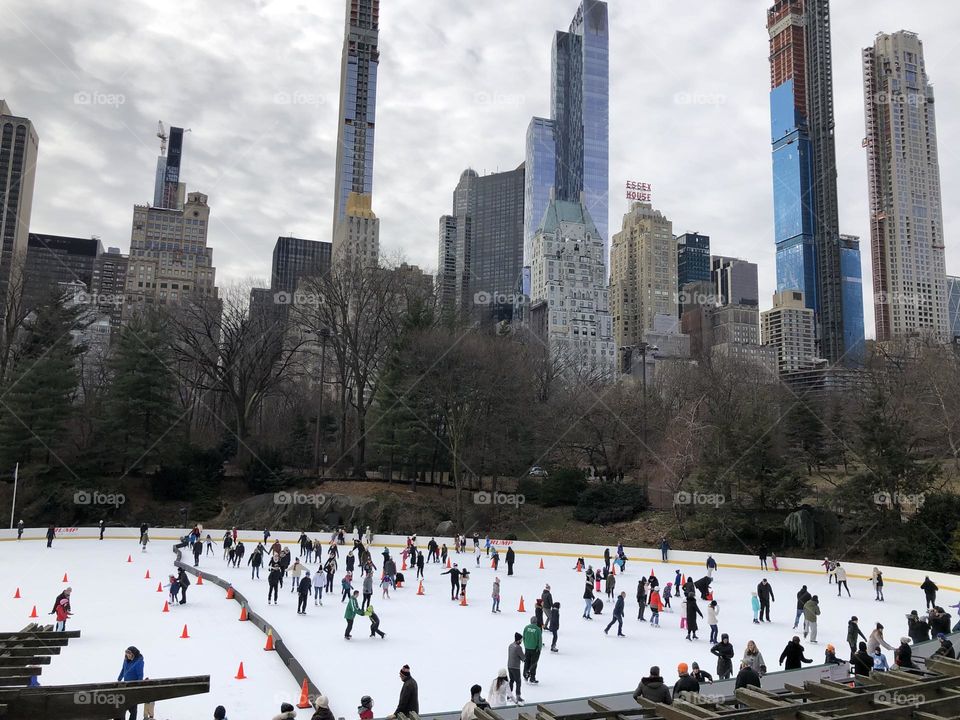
(257, 81)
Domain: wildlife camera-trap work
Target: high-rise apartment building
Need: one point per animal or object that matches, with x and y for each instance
(169, 258)
(569, 296)
(806, 216)
(851, 283)
(788, 327)
(481, 245)
(53, 260)
(357, 237)
(18, 163)
(358, 104)
(108, 286)
(577, 135)
(168, 191)
(643, 273)
(693, 260)
(903, 170)
(294, 258)
(735, 281)
(734, 333)
(953, 306)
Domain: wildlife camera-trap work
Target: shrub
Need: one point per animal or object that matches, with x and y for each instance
(562, 487)
(530, 488)
(610, 503)
(264, 473)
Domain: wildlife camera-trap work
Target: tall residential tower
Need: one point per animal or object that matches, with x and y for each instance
(358, 104)
(906, 221)
(806, 217)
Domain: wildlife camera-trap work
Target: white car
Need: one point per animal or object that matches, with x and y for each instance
(537, 471)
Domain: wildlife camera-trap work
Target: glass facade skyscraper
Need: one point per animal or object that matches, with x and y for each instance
(851, 273)
(358, 104)
(577, 136)
(693, 259)
(953, 305)
(806, 215)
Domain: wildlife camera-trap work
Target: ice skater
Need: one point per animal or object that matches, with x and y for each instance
(618, 610)
(374, 622)
(762, 553)
(350, 613)
(184, 581)
(495, 595)
(693, 610)
(841, 575)
(454, 574)
(303, 593)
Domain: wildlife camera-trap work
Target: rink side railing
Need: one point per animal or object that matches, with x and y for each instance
(294, 666)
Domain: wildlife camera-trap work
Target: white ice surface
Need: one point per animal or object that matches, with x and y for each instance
(448, 647)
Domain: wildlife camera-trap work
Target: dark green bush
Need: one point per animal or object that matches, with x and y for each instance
(610, 503)
(265, 474)
(562, 487)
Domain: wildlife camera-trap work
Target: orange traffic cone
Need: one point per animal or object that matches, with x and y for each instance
(613, 569)
(269, 645)
(16, 595)
(683, 580)
(541, 563)
(147, 576)
(493, 564)
(240, 675)
(579, 566)
(420, 589)
(304, 696)
(448, 564)
(230, 593)
(159, 587)
(166, 606)
(520, 609)
(463, 598)
(130, 558)
(709, 596)
(33, 613)
(199, 579)
(404, 564)
(65, 578)
(243, 613)
(651, 572)
(184, 635)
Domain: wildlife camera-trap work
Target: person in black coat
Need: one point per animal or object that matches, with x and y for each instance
(703, 585)
(939, 621)
(946, 648)
(929, 588)
(917, 628)
(303, 592)
(684, 682)
(903, 655)
(197, 551)
(724, 652)
(692, 611)
(554, 624)
(273, 582)
(409, 694)
(454, 574)
(587, 600)
(765, 594)
(747, 677)
(511, 557)
(51, 534)
(617, 615)
(793, 655)
(802, 598)
(861, 661)
(184, 582)
(653, 688)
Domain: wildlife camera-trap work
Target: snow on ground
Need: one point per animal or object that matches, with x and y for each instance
(115, 607)
(448, 647)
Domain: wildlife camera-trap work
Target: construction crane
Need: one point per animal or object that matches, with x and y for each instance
(162, 134)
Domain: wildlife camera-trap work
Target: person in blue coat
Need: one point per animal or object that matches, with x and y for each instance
(664, 548)
(132, 671)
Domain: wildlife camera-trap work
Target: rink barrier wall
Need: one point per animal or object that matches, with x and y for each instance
(647, 558)
(568, 553)
(294, 666)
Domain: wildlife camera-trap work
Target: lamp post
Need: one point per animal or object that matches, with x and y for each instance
(324, 335)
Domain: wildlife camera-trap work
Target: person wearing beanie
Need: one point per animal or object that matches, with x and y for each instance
(724, 652)
(793, 654)
(322, 709)
(514, 663)
(131, 671)
(409, 694)
(861, 661)
(830, 656)
(653, 688)
(469, 711)
(946, 647)
(287, 712)
(685, 682)
(365, 711)
(701, 676)
(500, 694)
(853, 632)
(220, 713)
(876, 640)
(880, 661)
(811, 609)
(918, 628)
(903, 655)
(532, 646)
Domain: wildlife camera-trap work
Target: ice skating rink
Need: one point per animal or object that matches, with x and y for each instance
(448, 647)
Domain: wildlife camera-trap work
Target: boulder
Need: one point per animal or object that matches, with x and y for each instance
(445, 529)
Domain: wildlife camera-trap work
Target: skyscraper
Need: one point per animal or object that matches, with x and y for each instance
(953, 305)
(643, 273)
(735, 281)
(168, 191)
(53, 260)
(569, 296)
(851, 271)
(806, 217)
(693, 260)
(906, 220)
(541, 175)
(18, 162)
(294, 258)
(356, 240)
(358, 104)
(577, 136)
(481, 243)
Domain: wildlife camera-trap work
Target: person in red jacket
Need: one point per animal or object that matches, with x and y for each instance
(366, 708)
(63, 612)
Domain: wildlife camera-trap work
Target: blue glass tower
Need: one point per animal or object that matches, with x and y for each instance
(852, 288)
(579, 127)
(358, 104)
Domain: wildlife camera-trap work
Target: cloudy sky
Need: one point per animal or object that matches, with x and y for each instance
(257, 82)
